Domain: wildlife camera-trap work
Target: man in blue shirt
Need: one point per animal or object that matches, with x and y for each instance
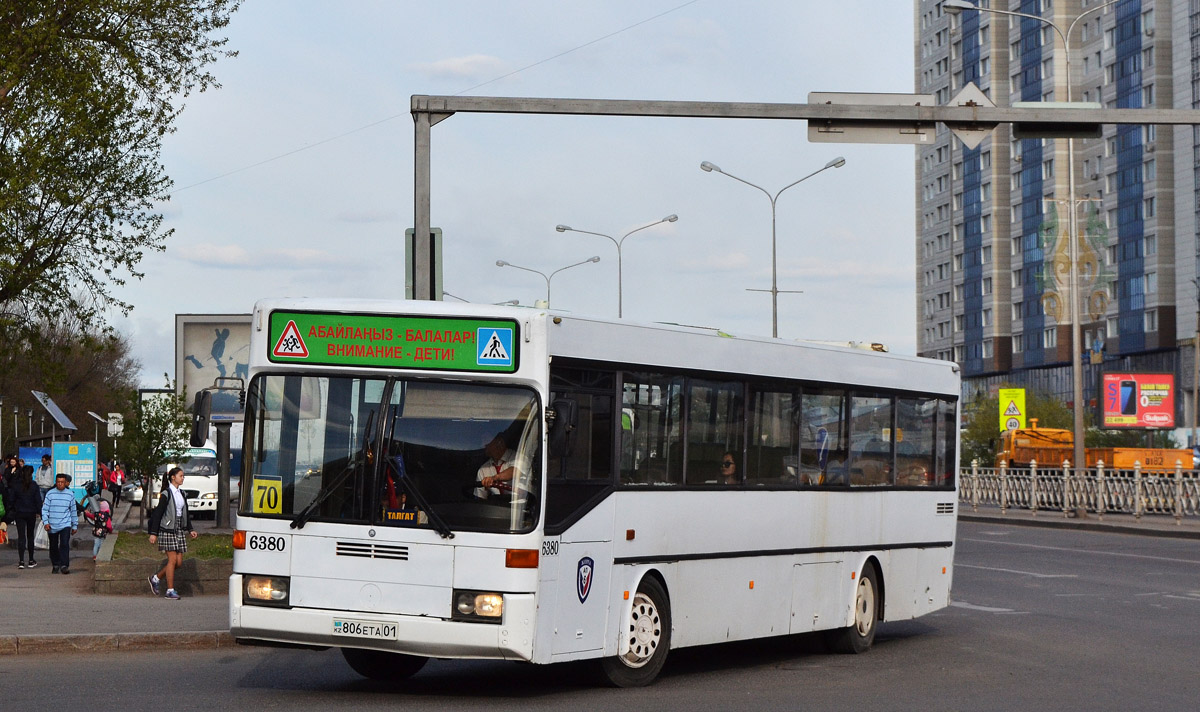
(61, 520)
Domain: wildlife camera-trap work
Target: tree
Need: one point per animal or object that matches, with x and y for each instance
(155, 431)
(80, 370)
(88, 89)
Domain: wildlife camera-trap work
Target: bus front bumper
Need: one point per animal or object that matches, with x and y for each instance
(430, 637)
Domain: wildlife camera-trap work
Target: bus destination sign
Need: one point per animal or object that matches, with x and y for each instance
(418, 342)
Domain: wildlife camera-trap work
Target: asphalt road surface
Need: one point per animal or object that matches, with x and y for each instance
(1042, 619)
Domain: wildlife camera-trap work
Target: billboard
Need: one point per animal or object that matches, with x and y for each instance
(211, 346)
(1137, 400)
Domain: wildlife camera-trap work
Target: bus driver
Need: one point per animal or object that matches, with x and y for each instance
(501, 466)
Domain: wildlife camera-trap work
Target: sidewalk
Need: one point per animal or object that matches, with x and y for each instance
(1148, 525)
(49, 613)
(52, 613)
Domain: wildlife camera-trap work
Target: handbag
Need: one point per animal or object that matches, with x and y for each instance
(41, 540)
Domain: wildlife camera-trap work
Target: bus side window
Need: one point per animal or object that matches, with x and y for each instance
(823, 451)
(915, 447)
(654, 405)
(775, 440)
(714, 427)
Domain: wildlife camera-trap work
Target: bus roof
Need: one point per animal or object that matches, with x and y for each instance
(691, 348)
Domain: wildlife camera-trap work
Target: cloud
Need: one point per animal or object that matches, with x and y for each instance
(215, 255)
(707, 263)
(472, 66)
(237, 257)
(367, 215)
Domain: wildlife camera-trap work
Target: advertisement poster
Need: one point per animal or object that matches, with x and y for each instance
(77, 459)
(208, 347)
(1137, 400)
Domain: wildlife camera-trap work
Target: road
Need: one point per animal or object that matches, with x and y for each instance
(1043, 619)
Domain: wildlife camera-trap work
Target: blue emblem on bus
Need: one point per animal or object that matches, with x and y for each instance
(583, 578)
(495, 347)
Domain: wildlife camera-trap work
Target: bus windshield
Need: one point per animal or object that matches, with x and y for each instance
(392, 452)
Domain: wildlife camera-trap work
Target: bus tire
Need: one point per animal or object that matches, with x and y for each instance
(858, 637)
(378, 665)
(649, 632)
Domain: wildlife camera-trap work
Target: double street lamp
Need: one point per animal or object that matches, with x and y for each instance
(954, 6)
(709, 168)
(547, 277)
(618, 243)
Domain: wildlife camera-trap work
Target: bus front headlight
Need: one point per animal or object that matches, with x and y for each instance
(478, 606)
(266, 590)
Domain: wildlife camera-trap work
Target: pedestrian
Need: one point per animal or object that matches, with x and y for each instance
(116, 481)
(24, 503)
(61, 520)
(45, 475)
(170, 527)
(102, 526)
(10, 469)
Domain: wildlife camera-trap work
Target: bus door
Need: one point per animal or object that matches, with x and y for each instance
(577, 550)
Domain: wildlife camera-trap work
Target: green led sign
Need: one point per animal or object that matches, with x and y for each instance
(419, 342)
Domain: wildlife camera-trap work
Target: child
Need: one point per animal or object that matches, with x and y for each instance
(102, 525)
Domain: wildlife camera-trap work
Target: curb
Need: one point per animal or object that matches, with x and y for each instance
(109, 642)
(1083, 525)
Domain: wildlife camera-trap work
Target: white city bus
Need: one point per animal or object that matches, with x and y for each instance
(621, 531)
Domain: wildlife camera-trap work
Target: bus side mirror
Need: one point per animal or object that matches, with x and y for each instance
(201, 413)
(563, 418)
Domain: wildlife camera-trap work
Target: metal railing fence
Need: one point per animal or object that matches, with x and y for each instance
(1099, 490)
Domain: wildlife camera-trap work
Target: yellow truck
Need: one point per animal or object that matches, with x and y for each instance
(1051, 446)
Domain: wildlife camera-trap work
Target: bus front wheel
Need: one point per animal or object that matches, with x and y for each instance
(858, 637)
(648, 630)
(378, 665)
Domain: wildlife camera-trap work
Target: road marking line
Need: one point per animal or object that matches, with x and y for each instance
(1082, 551)
(1014, 571)
(985, 609)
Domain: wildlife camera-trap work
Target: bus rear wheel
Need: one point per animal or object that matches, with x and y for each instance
(858, 637)
(648, 633)
(378, 665)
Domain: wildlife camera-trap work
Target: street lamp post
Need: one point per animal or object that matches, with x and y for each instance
(954, 6)
(709, 167)
(618, 243)
(547, 277)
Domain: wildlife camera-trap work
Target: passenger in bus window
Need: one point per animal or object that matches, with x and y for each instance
(501, 471)
(729, 473)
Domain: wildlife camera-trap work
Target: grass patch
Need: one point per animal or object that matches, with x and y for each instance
(136, 545)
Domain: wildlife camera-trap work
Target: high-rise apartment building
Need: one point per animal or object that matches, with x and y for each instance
(991, 223)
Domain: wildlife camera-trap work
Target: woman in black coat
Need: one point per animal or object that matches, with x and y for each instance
(24, 501)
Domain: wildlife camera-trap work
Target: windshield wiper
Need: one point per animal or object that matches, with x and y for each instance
(439, 524)
(322, 494)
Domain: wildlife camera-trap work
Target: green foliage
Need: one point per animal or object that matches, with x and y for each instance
(80, 370)
(981, 437)
(88, 89)
(156, 427)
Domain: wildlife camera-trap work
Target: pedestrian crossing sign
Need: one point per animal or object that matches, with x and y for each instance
(495, 346)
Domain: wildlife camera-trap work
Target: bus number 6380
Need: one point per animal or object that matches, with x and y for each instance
(262, 542)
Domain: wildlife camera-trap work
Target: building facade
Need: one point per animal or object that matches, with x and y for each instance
(991, 224)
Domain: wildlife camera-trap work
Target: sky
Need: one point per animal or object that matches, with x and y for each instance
(295, 178)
